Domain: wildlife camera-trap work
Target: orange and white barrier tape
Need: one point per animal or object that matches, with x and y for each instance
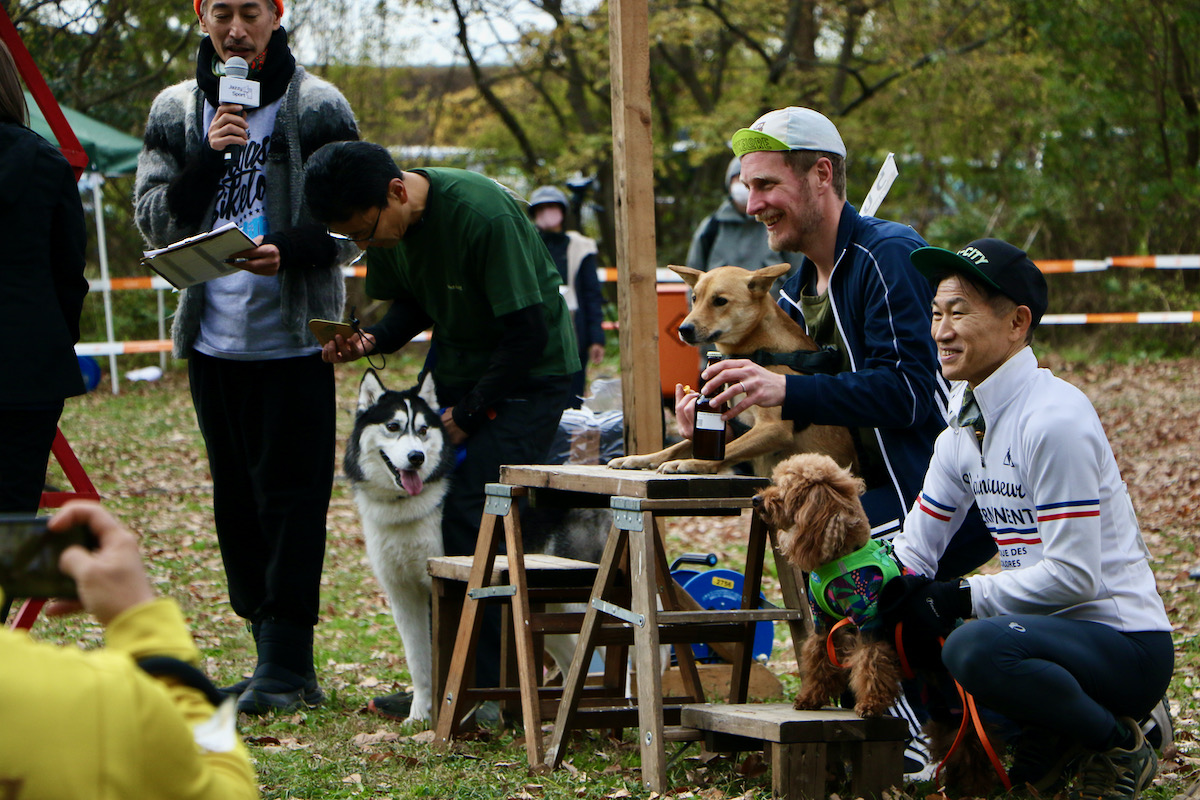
(117, 284)
(1050, 266)
(122, 348)
(1137, 317)
(1156, 262)
(153, 346)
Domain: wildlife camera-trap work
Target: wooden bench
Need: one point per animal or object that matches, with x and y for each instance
(803, 746)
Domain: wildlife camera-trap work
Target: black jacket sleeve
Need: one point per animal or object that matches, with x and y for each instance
(404, 320)
(591, 302)
(303, 248)
(524, 340)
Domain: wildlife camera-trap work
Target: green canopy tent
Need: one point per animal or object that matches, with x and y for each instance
(111, 153)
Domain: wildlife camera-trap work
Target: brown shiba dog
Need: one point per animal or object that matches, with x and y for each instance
(733, 310)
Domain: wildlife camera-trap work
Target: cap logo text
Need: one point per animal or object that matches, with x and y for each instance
(973, 254)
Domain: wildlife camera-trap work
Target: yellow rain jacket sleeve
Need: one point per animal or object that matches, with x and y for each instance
(94, 726)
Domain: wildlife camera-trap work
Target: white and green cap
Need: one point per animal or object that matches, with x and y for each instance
(791, 128)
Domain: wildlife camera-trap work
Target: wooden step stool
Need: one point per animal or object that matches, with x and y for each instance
(803, 744)
(548, 579)
(524, 583)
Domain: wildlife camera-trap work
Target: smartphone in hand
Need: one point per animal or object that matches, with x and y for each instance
(325, 329)
(29, 554)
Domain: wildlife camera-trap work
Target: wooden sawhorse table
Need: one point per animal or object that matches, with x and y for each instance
(637, 498)
(554, 580)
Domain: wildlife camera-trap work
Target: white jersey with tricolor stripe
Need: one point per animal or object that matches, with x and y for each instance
(1050, 492)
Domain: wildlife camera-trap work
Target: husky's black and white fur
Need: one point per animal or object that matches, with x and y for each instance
(399, 461)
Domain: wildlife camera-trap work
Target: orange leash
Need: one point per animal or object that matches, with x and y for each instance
(829, 648)
(970, 710)
(971, 717)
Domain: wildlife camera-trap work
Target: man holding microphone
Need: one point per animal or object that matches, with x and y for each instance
(264, 399)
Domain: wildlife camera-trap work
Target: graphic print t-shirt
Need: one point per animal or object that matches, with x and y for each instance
(242, 318)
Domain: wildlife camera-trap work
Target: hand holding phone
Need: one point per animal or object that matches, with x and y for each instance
(29, 553)
(325, 330)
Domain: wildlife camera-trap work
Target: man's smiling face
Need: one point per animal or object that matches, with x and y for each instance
(782, 200)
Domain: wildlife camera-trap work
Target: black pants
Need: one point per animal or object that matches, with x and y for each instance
(26, 436)
(1067, 676)
(269, 428)
(520, 433)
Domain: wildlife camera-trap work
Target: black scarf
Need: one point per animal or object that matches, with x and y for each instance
(278, 66)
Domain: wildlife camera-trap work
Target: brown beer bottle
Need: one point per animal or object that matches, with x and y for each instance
(708, 434)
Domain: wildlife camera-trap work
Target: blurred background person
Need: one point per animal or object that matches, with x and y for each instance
(41, 295)
(575, 256)
(731, 237)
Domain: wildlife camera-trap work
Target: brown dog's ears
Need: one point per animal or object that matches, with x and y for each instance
(689, 275)
(761, 280)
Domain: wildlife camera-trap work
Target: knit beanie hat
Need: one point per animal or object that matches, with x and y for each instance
(278, 7)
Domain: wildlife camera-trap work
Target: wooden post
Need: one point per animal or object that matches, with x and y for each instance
(633, 192)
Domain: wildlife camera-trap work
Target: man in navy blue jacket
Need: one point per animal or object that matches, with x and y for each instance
(856, 290)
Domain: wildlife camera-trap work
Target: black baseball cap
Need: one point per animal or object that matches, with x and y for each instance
(992, 262)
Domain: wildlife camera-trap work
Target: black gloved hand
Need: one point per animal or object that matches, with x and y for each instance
(926, 607)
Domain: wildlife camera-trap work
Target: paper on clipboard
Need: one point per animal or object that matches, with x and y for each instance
(879, 189)
(198, 258)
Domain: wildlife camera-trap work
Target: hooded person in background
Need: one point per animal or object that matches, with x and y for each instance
(575, 256)
(264, 398)
(731, 237)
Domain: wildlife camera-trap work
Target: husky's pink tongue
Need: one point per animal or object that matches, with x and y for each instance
(411, 481)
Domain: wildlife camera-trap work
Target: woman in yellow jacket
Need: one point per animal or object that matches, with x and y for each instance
(133, 720)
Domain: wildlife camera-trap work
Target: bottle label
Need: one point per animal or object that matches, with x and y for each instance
(709, 421)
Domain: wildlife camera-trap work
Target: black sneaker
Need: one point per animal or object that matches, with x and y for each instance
(1042, 760)
(1158, 727)
(486, 714)
(235, 690)
(1118, 774)
(275, 688)
(393, 706)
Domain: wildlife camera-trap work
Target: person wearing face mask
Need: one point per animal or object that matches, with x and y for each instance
(731, 237)
(264, 398)
(575, 256)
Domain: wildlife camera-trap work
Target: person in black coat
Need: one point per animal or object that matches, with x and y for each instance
(41, 295)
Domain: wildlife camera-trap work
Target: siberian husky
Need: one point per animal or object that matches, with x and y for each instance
(399, 462)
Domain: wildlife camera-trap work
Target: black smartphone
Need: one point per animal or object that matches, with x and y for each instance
(29, 556)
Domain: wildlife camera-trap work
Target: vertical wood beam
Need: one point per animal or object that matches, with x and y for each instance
(633, 185)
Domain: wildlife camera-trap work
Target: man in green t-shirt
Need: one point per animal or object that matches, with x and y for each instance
(455, 251)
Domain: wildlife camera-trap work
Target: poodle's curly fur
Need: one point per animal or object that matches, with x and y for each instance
(814, 505)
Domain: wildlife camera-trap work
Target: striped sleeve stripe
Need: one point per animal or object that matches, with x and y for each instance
(934, 509)
(1069, 504)
(1069, 509)
(1017, 540)
(1068, 515)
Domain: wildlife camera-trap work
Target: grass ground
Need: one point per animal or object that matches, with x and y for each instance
(143, 452)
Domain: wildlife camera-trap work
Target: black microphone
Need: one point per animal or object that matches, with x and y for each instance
(235, 87)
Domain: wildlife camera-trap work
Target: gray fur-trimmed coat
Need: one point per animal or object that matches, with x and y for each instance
(313, 113)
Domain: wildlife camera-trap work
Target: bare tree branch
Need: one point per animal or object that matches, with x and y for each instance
(508, 119)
